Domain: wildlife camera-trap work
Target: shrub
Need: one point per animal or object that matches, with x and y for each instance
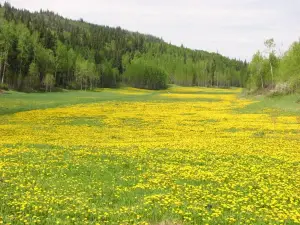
(4, 87)
(295, 84)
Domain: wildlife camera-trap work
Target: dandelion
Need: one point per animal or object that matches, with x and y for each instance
(193, 161)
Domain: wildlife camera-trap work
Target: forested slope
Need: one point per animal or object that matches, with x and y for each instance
(42, 50)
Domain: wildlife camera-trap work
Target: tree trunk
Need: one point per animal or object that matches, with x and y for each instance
(272, 74)
(4, 68)
(20, 71)
(262, 80)
(0, 69)
(68, 76)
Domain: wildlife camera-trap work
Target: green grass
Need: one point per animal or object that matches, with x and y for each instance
(13, 102)
(127, 162)
(286, 104)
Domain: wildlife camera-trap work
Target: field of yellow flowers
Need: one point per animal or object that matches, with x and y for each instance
(185, 156)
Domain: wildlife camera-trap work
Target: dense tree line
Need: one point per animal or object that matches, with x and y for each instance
(141, 75)
(43, 50)
(193, 68)
(278, 73)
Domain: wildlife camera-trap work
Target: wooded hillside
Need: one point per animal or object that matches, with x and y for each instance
(42, 50)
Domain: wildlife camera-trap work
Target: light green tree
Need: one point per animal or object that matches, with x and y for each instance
(71, 61)
(33, 74)
(6, 42)
(290, 67)
(49, 81)
(24, 45)
(61, 59)
(270, 45)
(256, 70)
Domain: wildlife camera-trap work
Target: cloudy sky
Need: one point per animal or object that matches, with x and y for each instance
(235, 28)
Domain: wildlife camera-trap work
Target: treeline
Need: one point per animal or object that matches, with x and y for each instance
(274, 72)
(42, 50)
(145, 76)
(193, 68)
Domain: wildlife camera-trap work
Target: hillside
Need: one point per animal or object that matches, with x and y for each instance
(43, 50)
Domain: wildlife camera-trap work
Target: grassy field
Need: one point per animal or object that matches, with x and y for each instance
(285, 104)
(13, 102)
(128, 156)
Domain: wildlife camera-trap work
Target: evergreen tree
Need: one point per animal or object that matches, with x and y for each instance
(83, 55)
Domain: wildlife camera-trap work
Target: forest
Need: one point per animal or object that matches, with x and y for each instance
(42, 51)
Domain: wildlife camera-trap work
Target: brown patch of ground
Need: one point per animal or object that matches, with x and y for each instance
(169, 222)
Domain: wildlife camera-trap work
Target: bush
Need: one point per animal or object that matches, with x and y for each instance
(4, 87)
(140, 75)
(295, 84)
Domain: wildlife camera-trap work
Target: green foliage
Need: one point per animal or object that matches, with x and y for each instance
(33, 79)
(49, 81)
(3, 87)
(109, 75)
(290, 67)
(195, 68)
(280, 74)
(141, 75)
(6, 43)
(85, 73)
(255, 68)
(45, 60)
(83, 55)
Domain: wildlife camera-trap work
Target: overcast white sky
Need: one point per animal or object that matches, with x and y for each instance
(235, 28)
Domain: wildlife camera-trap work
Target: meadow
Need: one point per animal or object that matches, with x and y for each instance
(128, 156)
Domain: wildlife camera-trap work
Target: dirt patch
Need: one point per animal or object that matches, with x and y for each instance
(3, 92)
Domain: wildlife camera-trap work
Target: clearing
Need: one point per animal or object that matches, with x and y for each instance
(128, 156)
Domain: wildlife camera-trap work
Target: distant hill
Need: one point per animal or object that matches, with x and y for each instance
(44, 50)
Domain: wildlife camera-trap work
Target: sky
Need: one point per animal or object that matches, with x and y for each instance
(234, 28)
